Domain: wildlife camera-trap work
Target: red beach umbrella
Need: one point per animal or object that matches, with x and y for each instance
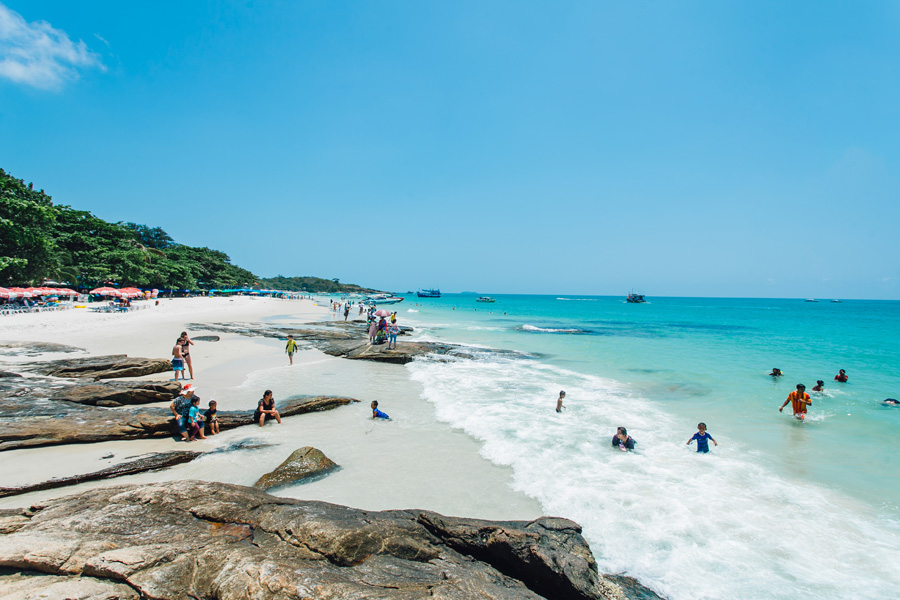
(20, 292)
(5, 293)
(105, 291)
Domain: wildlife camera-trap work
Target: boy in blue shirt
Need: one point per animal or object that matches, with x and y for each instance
(702, 438)
(377, 414)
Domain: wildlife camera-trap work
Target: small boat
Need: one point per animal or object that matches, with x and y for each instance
(429, 293)
(810, 300)
(635, 298)
(486, 299)
(835, 300)
(390, 300)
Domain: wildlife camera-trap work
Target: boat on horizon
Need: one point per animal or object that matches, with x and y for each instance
(836, 300)
(435, 293)
(486, 299)
(634, 298)
(810, 300)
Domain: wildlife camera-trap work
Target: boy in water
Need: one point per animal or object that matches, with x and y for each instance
(559, 404)
(290, 348)
(622, 440)
(377, 414)
(702, 438)
(841, 376)
(819, 387)
(799, 400)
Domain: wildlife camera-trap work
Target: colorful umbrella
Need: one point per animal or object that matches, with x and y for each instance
(105, 291)
(20, 292)
(5, 293)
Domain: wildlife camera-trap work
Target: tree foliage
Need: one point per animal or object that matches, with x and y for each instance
(40, 240)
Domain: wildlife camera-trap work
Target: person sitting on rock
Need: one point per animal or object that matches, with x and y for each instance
(180, 407)
(195, 419)
(211, 419)
(266, 407)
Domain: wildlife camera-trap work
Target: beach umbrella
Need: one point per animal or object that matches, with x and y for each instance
(20, 292)
(382, 313)
(5, 293)
(105, 291)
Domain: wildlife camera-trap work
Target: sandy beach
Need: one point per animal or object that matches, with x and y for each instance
(411, 461)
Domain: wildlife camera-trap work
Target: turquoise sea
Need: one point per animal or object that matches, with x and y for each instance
(779, 509)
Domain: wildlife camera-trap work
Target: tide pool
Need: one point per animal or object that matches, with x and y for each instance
(780, 509)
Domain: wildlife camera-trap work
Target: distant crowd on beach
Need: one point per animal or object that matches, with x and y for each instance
(194, 423)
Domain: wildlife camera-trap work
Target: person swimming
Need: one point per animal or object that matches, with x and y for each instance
(819, 387)
(891, 402)
(377, 414)
(776, 373)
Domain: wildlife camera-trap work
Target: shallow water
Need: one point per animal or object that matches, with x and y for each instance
(779, 509)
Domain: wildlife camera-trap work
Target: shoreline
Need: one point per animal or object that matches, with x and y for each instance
(413, 461)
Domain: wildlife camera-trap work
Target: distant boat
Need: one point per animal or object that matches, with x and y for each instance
(429, 293)
(810, 300)
(635, 298)
(835, 300)
(486, 299)
(384, 299)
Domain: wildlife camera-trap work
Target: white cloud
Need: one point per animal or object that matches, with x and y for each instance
(38, 55)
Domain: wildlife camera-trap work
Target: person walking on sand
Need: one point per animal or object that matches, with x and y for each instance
(702, 438)
(266, 408)
(799, 400)
(559, 404)
(186, 344)
(177, 360)
(290, 348)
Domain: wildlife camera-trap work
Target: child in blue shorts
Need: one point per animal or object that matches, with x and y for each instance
(702, 438)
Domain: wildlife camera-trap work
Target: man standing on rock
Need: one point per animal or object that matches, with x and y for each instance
(181, 407)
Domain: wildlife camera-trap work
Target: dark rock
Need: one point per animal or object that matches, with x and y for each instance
(633, 588)
(28, 422)
(4, 374)
(306, 463)
(206, 338)
(150, 462)
(119, 393)
(103, 367)
(193, 539)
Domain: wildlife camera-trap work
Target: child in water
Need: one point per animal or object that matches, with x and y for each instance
(377, 414)
(702, 438)
(622, 440)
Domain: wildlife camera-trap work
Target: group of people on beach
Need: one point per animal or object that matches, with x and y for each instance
(383, 328)
(193, 423)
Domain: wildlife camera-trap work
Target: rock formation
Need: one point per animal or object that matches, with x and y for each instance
(303, 464)
(28, 422)
(119, 393)
(103, 367)
(191, 539)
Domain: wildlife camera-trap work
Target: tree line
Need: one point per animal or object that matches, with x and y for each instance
(40, 240)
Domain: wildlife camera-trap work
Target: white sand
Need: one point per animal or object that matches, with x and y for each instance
(412, 461)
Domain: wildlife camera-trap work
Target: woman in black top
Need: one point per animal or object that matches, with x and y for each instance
(266, 407)
(186, 344)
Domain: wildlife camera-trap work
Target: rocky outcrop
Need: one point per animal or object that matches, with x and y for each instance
(303, 464)
(205, 338)
(27, 422)
(191, 539)
(150, 462)
(119, 393)
(350, 339)
(103, 367)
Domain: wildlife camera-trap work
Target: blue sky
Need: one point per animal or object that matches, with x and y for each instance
(677, 148)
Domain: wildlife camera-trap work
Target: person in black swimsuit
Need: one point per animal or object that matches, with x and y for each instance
(186, 344)
(266, 408)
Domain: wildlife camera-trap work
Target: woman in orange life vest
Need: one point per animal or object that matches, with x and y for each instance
(799, 401)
